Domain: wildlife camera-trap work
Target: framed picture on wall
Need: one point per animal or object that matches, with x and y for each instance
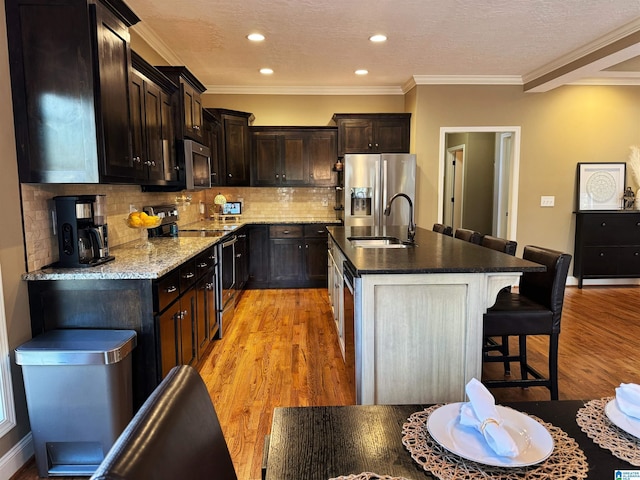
(601, 186)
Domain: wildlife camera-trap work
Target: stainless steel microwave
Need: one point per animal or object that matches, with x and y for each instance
(197, 165)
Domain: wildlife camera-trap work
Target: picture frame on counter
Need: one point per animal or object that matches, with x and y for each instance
(600, 186)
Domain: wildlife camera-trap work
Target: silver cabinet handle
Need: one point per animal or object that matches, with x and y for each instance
(171, 289)
(188, 275)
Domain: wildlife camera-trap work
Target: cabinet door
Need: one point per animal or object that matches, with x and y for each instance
(52, 84)
(138, 124)
(169, 156)
(286, 261)
(201, 327)
(192, 112)
(211, 132)
(187, 328)
(323, 155)
(266, 160)
(167, 335)
(391, 136)
(114, 61)
(258, 240)
(241, 260)
(600, 261)
(236, 142)
(153, 122)
(316, 261)
(355, 136)
(294, 164)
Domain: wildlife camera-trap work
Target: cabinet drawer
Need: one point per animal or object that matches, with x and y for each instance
(315, 230)
(285, 231)
(629, 260)
(611, 229)
(600, 261)
(166, 290)
(187, 275)
(205, 261)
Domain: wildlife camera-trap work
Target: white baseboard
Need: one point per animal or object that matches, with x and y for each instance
(15, 458)
(603, 281)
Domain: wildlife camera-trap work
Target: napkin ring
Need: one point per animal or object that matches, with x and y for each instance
(487, 422)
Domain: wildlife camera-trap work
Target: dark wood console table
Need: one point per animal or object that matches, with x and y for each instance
(607, 244)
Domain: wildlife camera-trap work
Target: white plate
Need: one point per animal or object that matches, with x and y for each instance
(533, 440)
(620, 420)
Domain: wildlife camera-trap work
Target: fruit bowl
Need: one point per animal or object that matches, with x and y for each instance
(142, 220)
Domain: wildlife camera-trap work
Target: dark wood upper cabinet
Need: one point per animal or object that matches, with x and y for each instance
(233, 145)
(373, 133)
(189, 111)
(212, 131)
(293, 156)
(152, 124)
(69, 62)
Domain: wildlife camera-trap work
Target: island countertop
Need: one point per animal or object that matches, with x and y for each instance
(433, 253)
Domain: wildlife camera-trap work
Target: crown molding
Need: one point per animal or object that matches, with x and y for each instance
(293, 90)
(155, 42)
(467, 79)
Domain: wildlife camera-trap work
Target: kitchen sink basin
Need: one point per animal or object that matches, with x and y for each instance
(378, 242)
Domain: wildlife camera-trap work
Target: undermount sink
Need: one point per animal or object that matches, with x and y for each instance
(378, 242)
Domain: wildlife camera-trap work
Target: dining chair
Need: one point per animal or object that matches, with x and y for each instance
(468, 235)
(444, 229)
(175, 434)
(535, 310)
(490, 343)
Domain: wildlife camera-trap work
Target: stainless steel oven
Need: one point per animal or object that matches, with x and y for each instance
(351, 283)
(227, 283)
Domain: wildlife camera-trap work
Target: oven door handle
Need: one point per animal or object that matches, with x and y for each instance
(230, 242)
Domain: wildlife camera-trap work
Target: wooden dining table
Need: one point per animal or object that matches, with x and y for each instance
(318, 443)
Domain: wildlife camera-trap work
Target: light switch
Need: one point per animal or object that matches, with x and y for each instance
(547, 201)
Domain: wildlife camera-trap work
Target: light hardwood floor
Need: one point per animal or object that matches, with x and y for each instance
(282, 350)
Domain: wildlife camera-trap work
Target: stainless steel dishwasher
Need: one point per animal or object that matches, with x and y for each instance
(350, 285)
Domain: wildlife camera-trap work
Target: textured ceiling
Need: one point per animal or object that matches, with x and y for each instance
(320, 43)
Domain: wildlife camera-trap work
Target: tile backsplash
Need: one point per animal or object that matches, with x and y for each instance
(259, 204)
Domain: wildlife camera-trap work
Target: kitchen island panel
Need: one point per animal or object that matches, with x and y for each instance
(419, 337)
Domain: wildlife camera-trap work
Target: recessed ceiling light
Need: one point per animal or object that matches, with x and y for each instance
(266, 71)
(362, 71)
(378, 38)
(255, 37)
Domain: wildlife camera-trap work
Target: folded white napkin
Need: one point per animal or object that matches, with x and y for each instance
(628, 399)
(481, 413)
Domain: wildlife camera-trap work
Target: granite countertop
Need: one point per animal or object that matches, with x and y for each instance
(132, 262)
(432, 253)
(165, 253)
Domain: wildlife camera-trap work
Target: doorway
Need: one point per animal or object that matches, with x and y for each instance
(500, 211)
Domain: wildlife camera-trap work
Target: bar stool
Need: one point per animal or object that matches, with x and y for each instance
(490, 344)
(444, 229)
(535, 310)
(468, 235)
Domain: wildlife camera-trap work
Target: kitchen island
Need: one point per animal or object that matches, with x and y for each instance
(417, 311)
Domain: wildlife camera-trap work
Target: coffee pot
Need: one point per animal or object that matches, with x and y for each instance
(81, 227)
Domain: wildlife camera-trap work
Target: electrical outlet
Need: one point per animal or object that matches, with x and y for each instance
(132, 208)
(325, 202)
(547, 201)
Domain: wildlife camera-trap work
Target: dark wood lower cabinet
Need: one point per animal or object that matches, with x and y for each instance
(287, 256)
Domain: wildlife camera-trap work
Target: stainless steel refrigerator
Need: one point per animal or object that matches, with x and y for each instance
(370, 180)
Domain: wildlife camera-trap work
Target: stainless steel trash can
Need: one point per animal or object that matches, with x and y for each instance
(79, 396)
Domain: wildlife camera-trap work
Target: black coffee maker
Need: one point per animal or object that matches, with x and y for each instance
(81, 226)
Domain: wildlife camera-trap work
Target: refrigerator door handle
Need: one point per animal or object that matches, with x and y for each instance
(384, 192)
(377, 207)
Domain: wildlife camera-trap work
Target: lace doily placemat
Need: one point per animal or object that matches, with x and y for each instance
(367, 476)
(567, 462)
(595, 423)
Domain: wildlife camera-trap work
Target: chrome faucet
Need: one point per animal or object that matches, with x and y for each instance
(411, 233)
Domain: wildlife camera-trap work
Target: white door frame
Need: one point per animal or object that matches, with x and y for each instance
(454, 173)
(515, 170)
